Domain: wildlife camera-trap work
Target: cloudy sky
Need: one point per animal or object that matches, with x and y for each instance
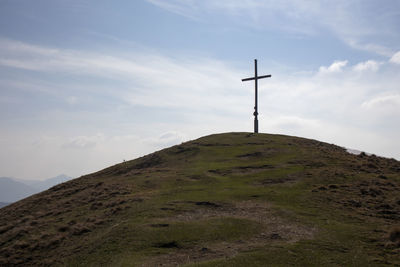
(86, 84)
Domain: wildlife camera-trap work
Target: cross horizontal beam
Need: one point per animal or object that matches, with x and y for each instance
(258, 77)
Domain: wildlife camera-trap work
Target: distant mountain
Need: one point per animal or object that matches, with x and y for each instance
(12, 189)
(3, 204)
(46, 184)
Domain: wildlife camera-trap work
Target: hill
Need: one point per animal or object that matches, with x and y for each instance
(234, 199)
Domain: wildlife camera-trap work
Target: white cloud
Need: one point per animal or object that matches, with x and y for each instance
(171, 137)
(166, 139)
(72, 100)
(395, 58)
(336, 66)
(31, 57)
(369, 47)
(391, 102)
(369, 65)
(84, 142)
(293, 123)
(361, 24)
(178, 7)
(175, 82)
(22, 48)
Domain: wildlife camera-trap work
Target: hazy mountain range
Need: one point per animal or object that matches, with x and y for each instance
(12, 189)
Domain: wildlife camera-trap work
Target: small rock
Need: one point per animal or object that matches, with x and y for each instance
(275, 236)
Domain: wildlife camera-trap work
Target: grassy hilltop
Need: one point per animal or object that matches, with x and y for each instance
(234, 199)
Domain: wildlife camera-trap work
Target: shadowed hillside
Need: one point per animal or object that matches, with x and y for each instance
(233, 199)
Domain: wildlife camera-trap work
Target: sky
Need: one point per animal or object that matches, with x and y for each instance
(87, 84)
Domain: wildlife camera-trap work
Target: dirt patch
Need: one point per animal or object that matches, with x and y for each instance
(159, 225)
(181, 149)
(273, 229)
(290, 178)
(242, 170)
(260, 212)
(251, 155)
(265, 152)
(207, 204)
(281, 180)
(210, 144)
(172, 244)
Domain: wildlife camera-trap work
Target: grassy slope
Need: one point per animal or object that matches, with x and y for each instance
(222, 200)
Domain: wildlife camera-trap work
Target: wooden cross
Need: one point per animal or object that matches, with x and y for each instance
(256, 78)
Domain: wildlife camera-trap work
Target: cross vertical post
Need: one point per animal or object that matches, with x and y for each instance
(256, 78)
(256, 98)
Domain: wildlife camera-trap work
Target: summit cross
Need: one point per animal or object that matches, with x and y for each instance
(256, 78)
